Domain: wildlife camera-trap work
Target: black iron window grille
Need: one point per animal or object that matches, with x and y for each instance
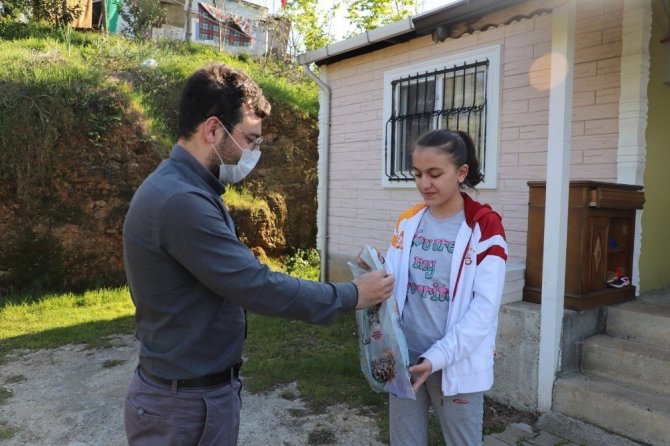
(452, 98)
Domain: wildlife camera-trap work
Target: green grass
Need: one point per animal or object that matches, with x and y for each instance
(238, 197)
(4, 394)
(6, 433)
(324, 360)
(15, 379)
(22, 47)
(51, 321)
(321, 435)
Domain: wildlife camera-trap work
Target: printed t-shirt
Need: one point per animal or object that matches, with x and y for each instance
(424, 317)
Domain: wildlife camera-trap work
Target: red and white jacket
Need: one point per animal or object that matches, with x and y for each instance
(465, 353)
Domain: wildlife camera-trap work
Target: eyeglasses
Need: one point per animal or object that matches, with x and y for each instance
(255, 142)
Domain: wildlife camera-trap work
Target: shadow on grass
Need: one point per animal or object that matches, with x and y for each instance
(19, 299)
(37, 296)
(95, 334)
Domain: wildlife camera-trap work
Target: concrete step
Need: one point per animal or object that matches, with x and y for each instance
(627, 362)
(578, 431)
(555, 429)
(640, 320)
(660, 296)
(635, 413)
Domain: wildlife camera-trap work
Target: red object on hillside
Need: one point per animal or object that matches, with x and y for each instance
(283, 3)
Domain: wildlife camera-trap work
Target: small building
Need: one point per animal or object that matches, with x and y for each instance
(570, 93)
(235, 26)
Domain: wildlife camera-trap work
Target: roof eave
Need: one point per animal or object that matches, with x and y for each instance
(404, 30)
(377, 38)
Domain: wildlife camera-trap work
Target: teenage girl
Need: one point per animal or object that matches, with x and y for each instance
(448, 255)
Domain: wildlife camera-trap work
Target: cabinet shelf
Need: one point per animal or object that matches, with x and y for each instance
(599, 214)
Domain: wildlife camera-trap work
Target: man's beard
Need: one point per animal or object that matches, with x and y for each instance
(214, 161)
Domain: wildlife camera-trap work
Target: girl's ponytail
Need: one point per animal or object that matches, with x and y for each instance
(475, 175)
(459, 146)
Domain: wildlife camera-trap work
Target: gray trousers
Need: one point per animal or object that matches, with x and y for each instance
(157, 415)
(461, 416)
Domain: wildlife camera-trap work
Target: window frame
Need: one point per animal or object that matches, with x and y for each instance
(207, 30)
(492, 53)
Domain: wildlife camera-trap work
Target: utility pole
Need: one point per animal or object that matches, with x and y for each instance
(222, 32)
(187, 27)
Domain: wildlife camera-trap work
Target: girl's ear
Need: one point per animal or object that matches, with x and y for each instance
(463, 173)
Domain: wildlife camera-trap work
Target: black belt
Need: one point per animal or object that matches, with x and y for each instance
(213, 380)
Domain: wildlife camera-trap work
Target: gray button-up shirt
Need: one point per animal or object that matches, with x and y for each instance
(190, 277)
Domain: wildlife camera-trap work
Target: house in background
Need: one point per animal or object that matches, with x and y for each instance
(569, 95)
(234, 25)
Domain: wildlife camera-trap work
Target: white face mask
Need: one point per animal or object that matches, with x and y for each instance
(234, 173)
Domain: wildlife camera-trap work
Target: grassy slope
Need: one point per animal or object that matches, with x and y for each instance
(51, 76)
(82, 87)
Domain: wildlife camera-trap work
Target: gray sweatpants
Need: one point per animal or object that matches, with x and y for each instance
(156, 415)
(461, 416)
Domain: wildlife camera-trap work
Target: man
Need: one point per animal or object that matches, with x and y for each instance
(191, 279)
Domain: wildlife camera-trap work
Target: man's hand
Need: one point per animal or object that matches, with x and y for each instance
(373, 288)
(420, 373)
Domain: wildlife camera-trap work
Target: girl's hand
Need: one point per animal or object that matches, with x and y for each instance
(359, 261)
(420, 373)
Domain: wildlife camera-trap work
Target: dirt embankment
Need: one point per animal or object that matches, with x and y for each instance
(61, 225)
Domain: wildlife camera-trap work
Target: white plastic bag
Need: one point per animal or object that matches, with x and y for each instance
(382, 345)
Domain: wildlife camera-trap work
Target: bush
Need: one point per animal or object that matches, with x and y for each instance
(304, 263)
(36, 263)
(11, 29)
(244, 57)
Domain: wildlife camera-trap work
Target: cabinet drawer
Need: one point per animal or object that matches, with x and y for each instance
(603, 197)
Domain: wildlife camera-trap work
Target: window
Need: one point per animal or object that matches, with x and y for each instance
(458, 92)
(208, 30)
(234, 37)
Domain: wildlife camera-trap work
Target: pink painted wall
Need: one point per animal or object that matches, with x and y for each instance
(362, 211)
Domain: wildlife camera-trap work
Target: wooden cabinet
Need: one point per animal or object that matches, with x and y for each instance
(601, 227)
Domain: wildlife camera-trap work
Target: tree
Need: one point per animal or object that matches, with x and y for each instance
(55, 12)
(370, 14)
(140, 16)
(187, 27)
(14, 8)
(311, 24)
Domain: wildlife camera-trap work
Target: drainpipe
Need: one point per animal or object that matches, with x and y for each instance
(322, 191)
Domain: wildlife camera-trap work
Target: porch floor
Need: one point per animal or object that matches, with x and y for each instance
(556, 429)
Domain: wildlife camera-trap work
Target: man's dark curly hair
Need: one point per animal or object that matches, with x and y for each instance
(218, 90)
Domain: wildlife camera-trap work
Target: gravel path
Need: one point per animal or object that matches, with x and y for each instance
(73, 396)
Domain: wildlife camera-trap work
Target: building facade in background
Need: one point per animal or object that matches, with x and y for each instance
(236, 26)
